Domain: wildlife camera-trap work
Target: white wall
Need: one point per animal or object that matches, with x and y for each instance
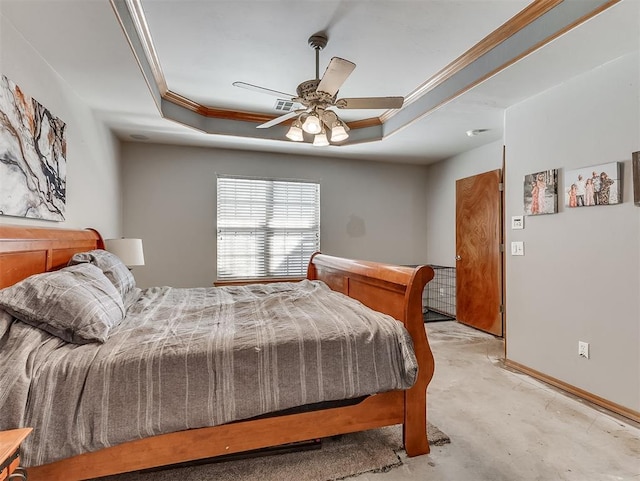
(93, 177)
(580, 276)
(369, 210)
(441, 198)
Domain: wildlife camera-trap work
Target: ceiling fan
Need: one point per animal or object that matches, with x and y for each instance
(317, 99)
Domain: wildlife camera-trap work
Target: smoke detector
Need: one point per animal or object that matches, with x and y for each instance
(476, 132)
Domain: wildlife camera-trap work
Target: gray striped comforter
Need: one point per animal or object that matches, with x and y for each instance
(188, 358)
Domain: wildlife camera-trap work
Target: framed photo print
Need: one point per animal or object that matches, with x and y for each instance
(541, 192)
(635, 163)
(596, 185)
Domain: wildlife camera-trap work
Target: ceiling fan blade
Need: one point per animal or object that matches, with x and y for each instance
(337, 72)
(370, 103)
(263, 90)
(278, 120)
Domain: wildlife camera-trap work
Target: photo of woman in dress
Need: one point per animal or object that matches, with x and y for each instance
(589, 193)
(605, 188)
(573, 198)
(541, 193)
(535, 199)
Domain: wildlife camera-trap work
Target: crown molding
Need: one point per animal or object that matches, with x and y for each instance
(458, 77)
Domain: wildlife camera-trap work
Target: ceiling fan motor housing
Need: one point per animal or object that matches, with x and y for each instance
(309, 95)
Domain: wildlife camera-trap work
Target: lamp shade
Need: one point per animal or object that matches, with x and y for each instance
(312, 124)
(320, 140)
(295, 132)
(338, 133)
(128, 250)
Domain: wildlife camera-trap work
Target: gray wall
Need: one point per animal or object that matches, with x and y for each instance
(441, 198)
(369, 210)
(93, 175)
(580, 276)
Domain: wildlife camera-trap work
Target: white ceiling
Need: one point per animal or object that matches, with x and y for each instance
(204, 46)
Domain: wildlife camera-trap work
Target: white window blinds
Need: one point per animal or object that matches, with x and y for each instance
(266, 228)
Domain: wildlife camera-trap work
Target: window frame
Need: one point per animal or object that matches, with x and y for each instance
(265, 228)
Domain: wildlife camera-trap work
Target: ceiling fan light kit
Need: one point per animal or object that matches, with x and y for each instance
(311, 124)
(295, 132)
(320, 140)
(314, 126)
(317, 99)
(338, 132)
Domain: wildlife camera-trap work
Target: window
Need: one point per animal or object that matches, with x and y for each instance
(266, 228)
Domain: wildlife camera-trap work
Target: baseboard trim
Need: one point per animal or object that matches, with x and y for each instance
(576, 391)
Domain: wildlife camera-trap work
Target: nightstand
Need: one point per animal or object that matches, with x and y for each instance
(9, 454)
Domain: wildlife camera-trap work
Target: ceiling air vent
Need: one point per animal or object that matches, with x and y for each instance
(284, 105)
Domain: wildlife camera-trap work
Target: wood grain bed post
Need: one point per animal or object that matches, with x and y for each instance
(414, 428)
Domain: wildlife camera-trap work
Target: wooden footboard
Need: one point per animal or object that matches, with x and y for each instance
(394, 290)
(397, 291)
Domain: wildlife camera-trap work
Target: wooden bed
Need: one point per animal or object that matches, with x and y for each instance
(394, 290)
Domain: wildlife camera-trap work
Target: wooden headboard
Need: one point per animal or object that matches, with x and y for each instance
(26, 250)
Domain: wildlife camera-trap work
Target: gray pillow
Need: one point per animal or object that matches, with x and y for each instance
(77, 304)
(112, 267)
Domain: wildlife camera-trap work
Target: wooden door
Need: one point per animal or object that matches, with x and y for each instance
(478, 255)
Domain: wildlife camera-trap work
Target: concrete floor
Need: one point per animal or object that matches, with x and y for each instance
(506, 426)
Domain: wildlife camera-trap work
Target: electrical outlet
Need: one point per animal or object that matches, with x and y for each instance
(583, 349)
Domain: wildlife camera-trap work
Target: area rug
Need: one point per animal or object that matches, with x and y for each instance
(338, 457)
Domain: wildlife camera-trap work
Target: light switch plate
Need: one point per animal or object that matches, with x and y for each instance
(517, 248)
(517, 222)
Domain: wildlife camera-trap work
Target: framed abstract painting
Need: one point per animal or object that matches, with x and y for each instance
(33, 152)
